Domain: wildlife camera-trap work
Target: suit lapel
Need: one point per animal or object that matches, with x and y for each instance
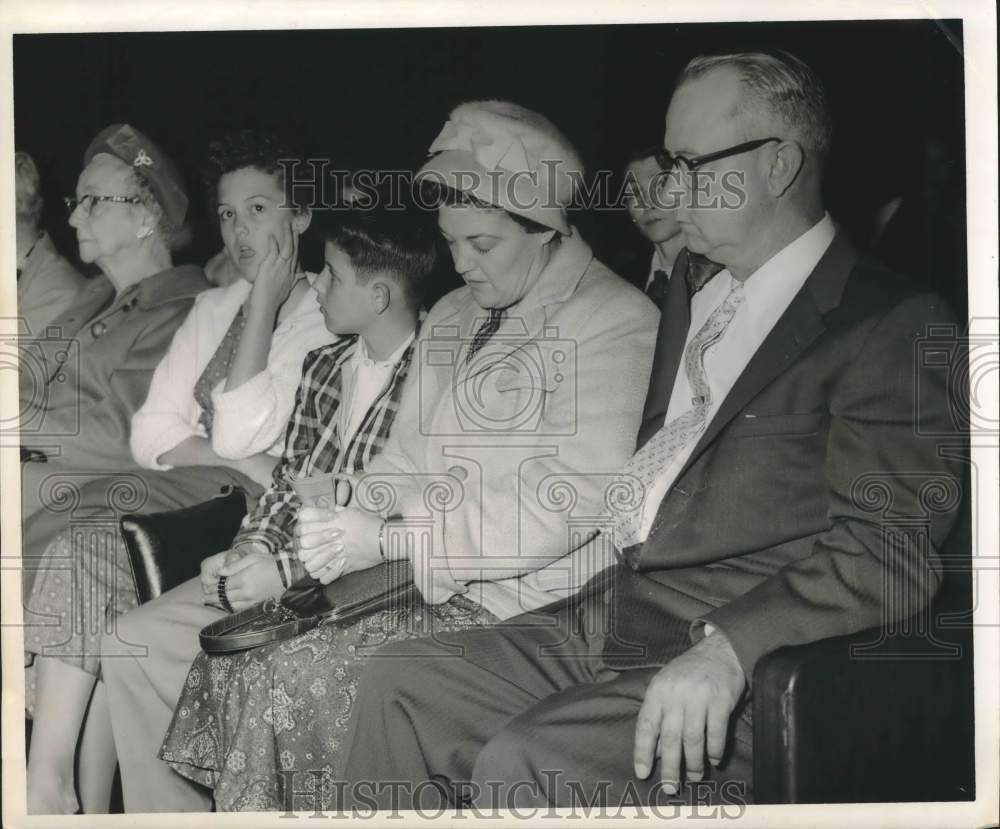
(675, 318)
(794, 332)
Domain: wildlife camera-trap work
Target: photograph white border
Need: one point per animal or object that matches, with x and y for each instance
(31, 16)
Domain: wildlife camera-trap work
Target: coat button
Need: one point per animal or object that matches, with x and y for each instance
(98, 329)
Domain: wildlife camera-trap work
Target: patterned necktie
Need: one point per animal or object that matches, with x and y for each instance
(217, 370)
(486, 330)
(699, 271)
(656, 454)
(658, 287)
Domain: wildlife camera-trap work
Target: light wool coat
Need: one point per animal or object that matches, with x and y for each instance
(510, 455)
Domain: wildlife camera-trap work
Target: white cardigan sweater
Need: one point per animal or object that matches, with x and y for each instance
(247, 420)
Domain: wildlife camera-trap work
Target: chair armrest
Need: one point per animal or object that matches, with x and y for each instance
(167, 548)
(865, 718)
(879, 716)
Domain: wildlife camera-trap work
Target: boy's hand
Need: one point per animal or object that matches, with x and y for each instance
(214, 566)
(209, 577)
(251, 579)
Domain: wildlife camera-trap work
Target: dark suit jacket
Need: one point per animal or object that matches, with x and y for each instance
(632, 263)
(782, 527)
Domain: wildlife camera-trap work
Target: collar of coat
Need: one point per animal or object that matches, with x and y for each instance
(180, 282)
(527, 320)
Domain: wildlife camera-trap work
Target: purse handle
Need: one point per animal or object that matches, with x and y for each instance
(225, 636)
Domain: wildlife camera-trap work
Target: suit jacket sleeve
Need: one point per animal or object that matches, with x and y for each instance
(841, 587)
(54, 291)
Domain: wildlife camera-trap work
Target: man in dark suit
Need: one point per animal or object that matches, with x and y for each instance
(786, 409)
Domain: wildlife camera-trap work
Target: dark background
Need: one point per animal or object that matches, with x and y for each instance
(377, 98)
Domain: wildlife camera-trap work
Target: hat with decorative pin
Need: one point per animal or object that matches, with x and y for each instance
(149, 161)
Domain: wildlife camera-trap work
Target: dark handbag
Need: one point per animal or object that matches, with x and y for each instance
(166, 549)
(308, 603)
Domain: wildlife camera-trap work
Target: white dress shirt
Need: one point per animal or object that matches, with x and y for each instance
(769, 291)
(248, 419)
(363, 380)
(658, 263)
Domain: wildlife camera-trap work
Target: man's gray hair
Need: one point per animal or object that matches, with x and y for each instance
(27, 189)
(785, 85)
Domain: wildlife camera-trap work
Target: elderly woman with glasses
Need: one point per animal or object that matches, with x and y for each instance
(84, 379)
(215, 415)
(527, 396)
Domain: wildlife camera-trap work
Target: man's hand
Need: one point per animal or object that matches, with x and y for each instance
(686, 710)
(330, 544)
(251, 579)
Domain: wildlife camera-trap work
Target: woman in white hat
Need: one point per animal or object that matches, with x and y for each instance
(527, 400)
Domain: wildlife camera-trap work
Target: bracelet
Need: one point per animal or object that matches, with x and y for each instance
(381, 535)
(381, 538)
(223, 598)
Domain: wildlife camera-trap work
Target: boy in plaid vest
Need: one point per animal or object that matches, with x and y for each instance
(370, 291)
(377, 269)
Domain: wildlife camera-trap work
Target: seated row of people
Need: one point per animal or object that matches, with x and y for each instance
(211, 410)
(520, 395)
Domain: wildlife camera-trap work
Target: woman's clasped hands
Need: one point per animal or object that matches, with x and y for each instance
(331, 543)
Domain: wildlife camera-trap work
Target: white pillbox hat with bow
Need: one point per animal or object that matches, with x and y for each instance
(508, 156)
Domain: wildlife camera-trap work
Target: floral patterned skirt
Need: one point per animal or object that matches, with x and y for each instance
(84, 581)
(266, 727)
